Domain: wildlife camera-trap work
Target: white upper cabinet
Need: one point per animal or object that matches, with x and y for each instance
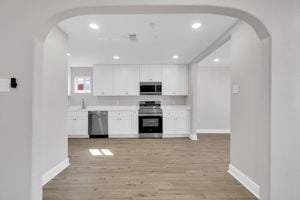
(133, 80)
(150, 73)
(119, 80)
(103, 80)
(126, 80)
(174, 80)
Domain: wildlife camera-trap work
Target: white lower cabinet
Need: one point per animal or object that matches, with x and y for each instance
(176, 123)
(122, 124)
(135, 123)
(78, 124)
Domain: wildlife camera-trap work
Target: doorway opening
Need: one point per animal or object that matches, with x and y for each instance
(116, 59)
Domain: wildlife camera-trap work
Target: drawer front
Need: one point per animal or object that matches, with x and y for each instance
(177, 113)
(121, 114)
(77, 114)
(77, 118)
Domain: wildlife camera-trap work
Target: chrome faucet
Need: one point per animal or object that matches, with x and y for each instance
(83, 103)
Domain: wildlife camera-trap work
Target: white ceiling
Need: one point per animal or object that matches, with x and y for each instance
(222, 54)
(171, 34)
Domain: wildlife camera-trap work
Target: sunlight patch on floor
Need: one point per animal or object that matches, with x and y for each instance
(100, 152)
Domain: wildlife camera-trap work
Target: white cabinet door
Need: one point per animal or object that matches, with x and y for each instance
(169, 79)
(133, 80)
(169, 124)
(119, 123)
(182, 122)
(103, 80)
(81, 126)
(77, 124)
(174, 80)
(176, 123)
(134, 123)
(119, 80)
(114, 125)
(182, 86)
(150, 73)
(71, 126)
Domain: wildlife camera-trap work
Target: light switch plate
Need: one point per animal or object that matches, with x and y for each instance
(235, 89)
(4, 85)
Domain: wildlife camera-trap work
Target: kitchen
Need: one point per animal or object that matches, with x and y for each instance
(147, 119)
(116, 72)
(163, 78)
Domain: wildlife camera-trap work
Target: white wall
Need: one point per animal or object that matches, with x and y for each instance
(245, 113)
(16, 58)
(246, 107)
(16, 52)
(212, 99)
(54, 102)
(75, 99)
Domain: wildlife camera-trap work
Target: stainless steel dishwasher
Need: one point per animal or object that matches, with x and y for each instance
(98, 124)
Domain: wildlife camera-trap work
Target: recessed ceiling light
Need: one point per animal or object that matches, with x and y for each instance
(217, 60)
(175, 57)
(116, 57)
(94, 26)
(68, 54)
(196, 25)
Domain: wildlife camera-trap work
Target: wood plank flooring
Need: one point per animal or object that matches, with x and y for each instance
(149, 169)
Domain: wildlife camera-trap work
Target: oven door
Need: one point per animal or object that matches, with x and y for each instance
(150, 124)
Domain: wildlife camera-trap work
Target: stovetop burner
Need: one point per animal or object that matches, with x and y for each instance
(150, 108)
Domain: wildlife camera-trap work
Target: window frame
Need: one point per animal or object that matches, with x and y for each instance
(84, 91)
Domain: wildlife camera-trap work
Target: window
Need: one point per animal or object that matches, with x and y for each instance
(82, 84)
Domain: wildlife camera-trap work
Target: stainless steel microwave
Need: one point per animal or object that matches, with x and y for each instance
(150, 88)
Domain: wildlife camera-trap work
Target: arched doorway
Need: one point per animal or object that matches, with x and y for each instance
(255, 23)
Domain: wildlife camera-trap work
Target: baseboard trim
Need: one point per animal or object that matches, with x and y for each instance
(78, 136)
(124, 136)
(175, 135)
(193, 137)
(215, 131)
(244, 180)
(49, 175)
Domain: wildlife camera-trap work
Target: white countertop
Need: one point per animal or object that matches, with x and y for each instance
(105, 108)
(181, 107)
(125, 108)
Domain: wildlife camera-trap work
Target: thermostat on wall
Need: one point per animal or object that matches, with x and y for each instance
(13, 83)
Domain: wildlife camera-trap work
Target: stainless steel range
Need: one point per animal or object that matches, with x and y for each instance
(150, 119)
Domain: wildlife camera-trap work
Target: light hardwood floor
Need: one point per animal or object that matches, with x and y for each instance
(149, 169)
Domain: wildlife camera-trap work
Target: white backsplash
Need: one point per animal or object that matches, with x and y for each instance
(75, 100)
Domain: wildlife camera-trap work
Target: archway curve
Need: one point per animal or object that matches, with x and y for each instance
(247, 17)
(43, 30)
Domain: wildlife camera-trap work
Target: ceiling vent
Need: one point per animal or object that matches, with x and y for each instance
(132, 37)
